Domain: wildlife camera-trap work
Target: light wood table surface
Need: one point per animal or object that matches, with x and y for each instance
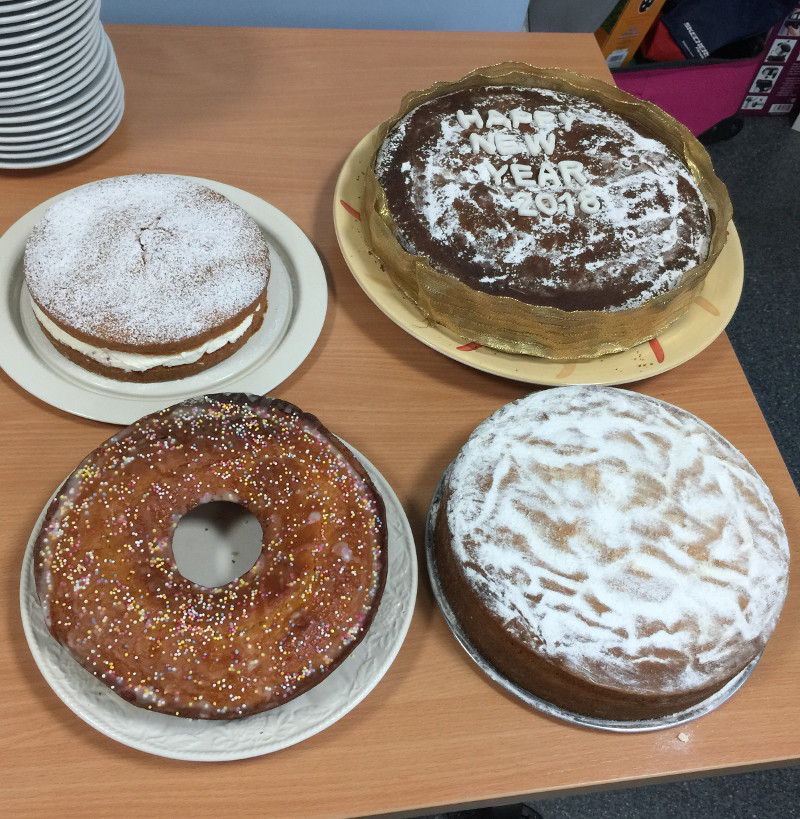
(276, 112)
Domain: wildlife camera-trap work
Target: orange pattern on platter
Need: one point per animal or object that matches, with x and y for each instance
(350, 209)
(470, 347)
(658, 350)
(567, 370)
(706, 305)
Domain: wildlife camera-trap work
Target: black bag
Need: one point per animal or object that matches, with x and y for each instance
(702, 28)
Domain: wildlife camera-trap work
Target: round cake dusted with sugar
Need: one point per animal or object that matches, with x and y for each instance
(558, 218)
(610, 553)
(112, 591)
(147, 277)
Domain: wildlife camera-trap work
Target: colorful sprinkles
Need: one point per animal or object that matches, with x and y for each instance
(112, 593)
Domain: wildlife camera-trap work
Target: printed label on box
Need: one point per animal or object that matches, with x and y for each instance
(775, 88)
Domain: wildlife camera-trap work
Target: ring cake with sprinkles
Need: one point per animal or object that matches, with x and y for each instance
(609, 553)
(148, 277)
(541, 212)
(112, 593)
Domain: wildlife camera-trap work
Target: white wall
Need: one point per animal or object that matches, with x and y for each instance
(434, 15)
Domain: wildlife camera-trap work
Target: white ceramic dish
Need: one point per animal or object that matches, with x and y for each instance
(48, 22)
(70, 151)
(52, 124)
(66, 101)
(94, 72)
(213, 740)
(298, 298)
(80, 61)
(21, 8)
(11, 12)
(44, 61)
(65, 33)
(35, 123)
(94, 119)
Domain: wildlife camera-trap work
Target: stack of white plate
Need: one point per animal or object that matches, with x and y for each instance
(61, 93)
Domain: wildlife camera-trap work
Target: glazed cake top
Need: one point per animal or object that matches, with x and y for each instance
(145, 259)
(543, 196)
(621, 536)
(112, 591)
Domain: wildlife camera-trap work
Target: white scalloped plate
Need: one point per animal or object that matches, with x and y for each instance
(215, 740)
(297, 296)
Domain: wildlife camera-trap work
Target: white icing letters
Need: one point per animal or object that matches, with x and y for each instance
(569, 204)
(544, 119)
(496, 118)
(498, 173)
(522, 175)
(572, 169)
(523, 202)
(520, 117)
(507, 145)
(546, 203)
(548, 175)
(485, 143)
(538, 142)
(588, 201)
(566, 119)
(465, 120)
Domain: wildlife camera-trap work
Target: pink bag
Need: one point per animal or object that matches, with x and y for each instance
(698, 93)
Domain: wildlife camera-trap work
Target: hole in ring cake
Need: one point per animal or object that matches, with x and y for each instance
(541, 212)
(609, 553)
(111, 587)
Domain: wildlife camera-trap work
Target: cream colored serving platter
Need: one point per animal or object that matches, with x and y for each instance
(706, 319)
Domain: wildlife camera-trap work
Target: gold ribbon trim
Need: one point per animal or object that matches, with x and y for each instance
(504, 323)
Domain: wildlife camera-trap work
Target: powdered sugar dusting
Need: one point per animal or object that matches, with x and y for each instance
(621, 536)
(145, 259)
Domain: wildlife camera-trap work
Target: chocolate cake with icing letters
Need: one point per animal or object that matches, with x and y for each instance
(609, 553)
(542, 212)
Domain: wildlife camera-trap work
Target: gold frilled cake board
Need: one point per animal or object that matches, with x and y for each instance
(509, 325)
(706, 319)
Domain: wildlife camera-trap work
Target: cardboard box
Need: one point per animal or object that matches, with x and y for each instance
(775, 86)
(623, 31)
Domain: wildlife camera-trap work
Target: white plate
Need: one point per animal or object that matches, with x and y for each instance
(16, 9)
(214, 740)
(16, 12)
(297, 295)
(44, 120)
(40, 25)
(47, 119)
(81, 61)
(97, 123)
(57, 37)
(93, 120)
(69, 151)
(61, 102)
(55, 56)
(86, 80)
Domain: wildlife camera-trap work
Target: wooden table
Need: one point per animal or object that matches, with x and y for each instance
(276, 112)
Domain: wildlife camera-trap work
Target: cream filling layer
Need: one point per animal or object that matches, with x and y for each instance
(137, 362)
